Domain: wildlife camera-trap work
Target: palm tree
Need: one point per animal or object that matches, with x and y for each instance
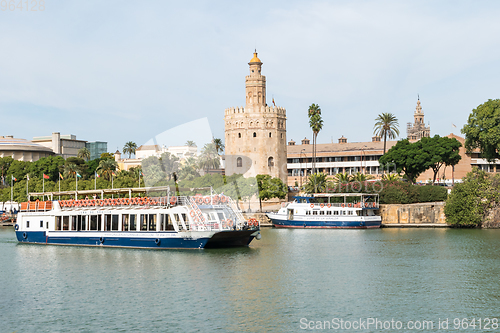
(343, 178)
(106, 168)
(190, 143)
(361, 177)
(316, 124)
(209, 158)
(84, 153)
(70, 170)
(188, 170)
(387, 126)
(316, 183)
(219, 146)
(129, 148)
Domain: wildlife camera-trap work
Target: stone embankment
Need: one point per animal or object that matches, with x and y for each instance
(427, 214)
(261, 217)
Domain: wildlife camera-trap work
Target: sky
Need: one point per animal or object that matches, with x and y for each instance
(120, 71)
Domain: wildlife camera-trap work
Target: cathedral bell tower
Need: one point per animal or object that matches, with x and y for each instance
(255, 135)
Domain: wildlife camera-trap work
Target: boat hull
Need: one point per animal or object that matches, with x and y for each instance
(166, 240)
(325, 224)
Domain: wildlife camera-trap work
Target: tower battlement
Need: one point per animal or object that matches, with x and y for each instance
(255, 109)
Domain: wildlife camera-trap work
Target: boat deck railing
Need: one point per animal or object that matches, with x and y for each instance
(36, 206)
(346, 205)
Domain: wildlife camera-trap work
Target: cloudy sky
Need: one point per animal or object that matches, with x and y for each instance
(120, 71)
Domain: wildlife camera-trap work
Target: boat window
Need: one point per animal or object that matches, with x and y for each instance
(359, 212)
(168, 221)
(41, 224)
(152, 222)
(184, 217)
(133, 224)
(47, 225)
(213, 217)
(74, 219)
(114, 222)
(143, 222)
(328, 212)
(27, 224)
(315, 212)
(308, 212)
(349, 212)
(177, 219)
(321, 212)
(335, 212)
(58, 222)
(99, 222)
(93, 222)
(125, 218)
(220, 215)
(65, 223)
(107, 222)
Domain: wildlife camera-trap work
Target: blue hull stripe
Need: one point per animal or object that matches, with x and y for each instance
(39, 237)
(326, 224)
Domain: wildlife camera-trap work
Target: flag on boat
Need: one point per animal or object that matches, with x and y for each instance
(45, 176)
(78, 175)
(113, 173)
(60, 176)
(142, 174)
(96, 175)
(14, 178)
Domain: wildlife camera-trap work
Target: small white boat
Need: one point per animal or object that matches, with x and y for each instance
(327, 210)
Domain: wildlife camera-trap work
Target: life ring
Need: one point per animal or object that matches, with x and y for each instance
(216, 199)
(192, 213)
(223, 198)
(147, 200)
(113, 202)
(101, 240)
(16, 227)
(321, 205)
(374, 204)
(342, 205)
(283, 204)
(207, 200)
(173, 200)
(25, 235)
(329, 205)
(349, 205)
(157, 241)
(101, 202)
(127, 201)
(312, 205)
(199, 200)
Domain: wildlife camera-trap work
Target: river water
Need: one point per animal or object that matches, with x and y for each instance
(290, 281)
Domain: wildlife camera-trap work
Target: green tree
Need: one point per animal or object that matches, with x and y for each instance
(18, 169)
(51, 166)
(406, 157)
(130, 148)
(107, 156)
(316, 183)
(440, 151)
(106, 168)
(343, 178)
(386, 125)
(188, 169)
(219, 146)
(190, 143)
(270, 188)
(209, 158)
(469, 201)
(70, 170)
(482, 130)
(361, 177)
(170, 164)
(84, 153)
(5, 163)
(316, 124)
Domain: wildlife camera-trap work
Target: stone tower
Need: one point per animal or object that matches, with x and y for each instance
(418, 130)
(255, 135)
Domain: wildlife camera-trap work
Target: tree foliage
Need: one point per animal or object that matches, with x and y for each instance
(129, 148)
(270, 188)
(316, 183)
(316, 125)
(483, 130)
(440, 151)
(470, 201)
(386, 125)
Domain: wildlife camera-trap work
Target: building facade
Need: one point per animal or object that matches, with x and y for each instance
(418, 130)
(255, 135)
(62, 145)
(96, 148)
(22, 150)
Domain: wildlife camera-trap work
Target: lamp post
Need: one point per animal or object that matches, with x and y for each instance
(362, 155)
(300, 166)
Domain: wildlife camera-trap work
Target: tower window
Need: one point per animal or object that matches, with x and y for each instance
(269, 134)
(239, 135)
(254, 134)
(282, 135)
(270, 162)
(239, 162)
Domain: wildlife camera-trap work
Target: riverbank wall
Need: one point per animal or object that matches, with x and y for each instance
(426, 214)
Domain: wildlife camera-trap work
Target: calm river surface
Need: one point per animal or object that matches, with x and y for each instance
(289, 280)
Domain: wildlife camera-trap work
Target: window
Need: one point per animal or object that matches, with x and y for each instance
(58, 223)
(270, 162)
(315, 212)
(107, 222)
(27, 224)
(239, 135)
(166, 222)
(328, 212)
(254, 134)
(125, 220)
(74, 219)
(41, 224)
(144, 222)
(65, 223)
(321, 212)
(133, 224)
(114, 222)
(152, 222)
(239, 162)
(93, 222)
(47, 225)
(308, 212)
(282, 135)
(269, 134)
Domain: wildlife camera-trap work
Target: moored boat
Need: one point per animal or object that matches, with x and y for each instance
(157, 222)
(330, 210)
